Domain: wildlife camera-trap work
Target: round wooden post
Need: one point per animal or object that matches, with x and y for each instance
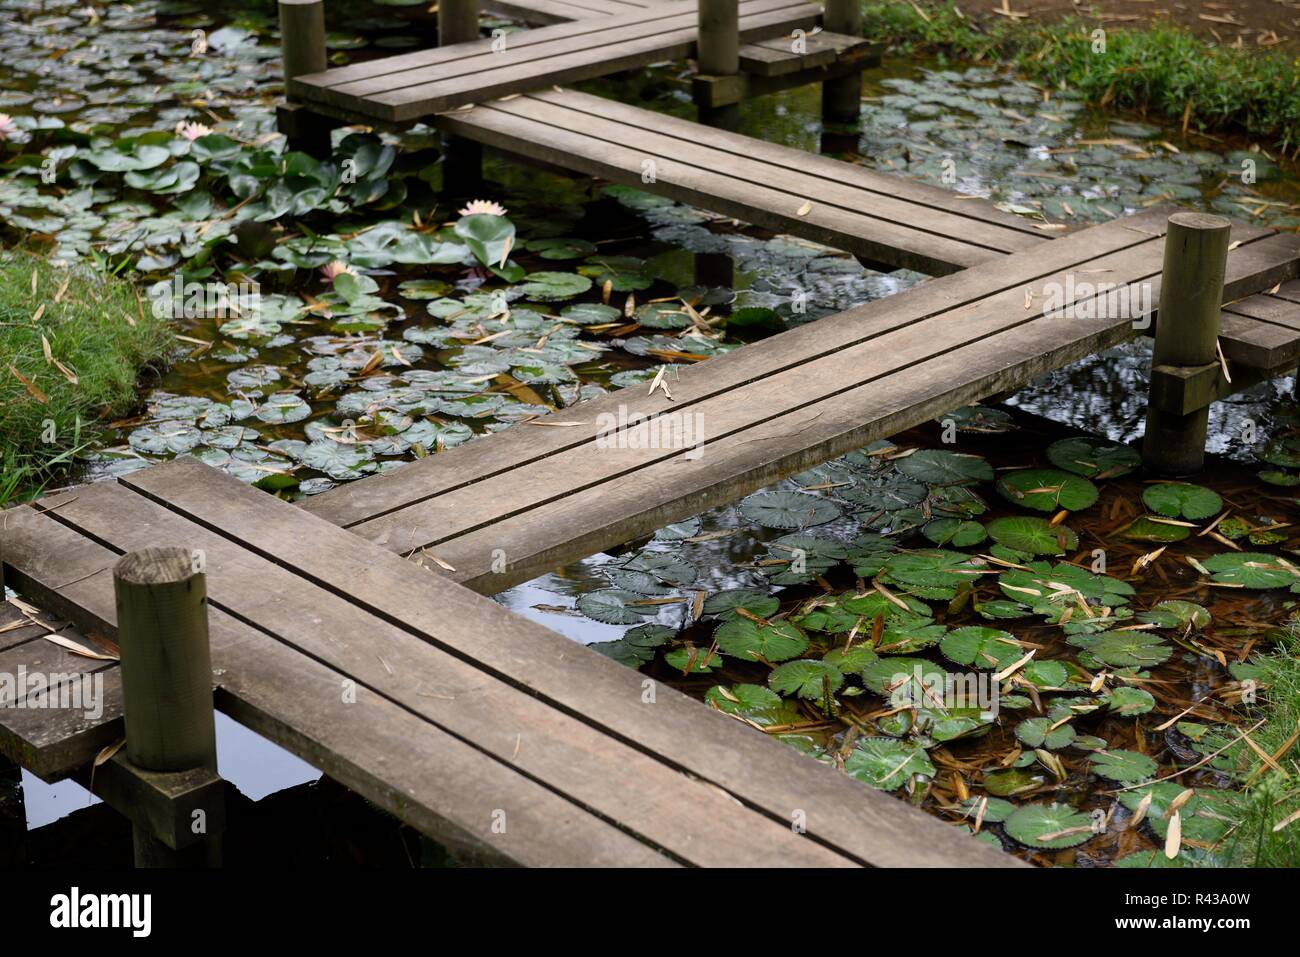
(718, 54)
(842, 97)
(457, 21)
(462, 163)
(1187, 331)
(302, 51)
(302, 37)
(162, 622)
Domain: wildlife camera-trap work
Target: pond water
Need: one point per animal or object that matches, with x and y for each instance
(417, 347)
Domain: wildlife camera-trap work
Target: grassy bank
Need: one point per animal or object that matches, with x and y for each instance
(72, 343)
(1273, 796)
(1159, 68)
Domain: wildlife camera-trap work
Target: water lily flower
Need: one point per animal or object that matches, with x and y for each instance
(192, 131)
(7, 126)
(483, 206)
(336, 268)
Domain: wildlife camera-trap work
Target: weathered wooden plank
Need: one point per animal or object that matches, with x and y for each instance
(468, 519)
(397, 661)
(1271, 309)
(355, 503)
(829, 170)
(53, 743)
(761, 773)
(875, 239)
(1288, 290)
(777, 57)
(864, 200)
(1254, 344)
(568, 52)
(299, 703)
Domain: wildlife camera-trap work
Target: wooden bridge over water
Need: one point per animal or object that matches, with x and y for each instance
(398, 677)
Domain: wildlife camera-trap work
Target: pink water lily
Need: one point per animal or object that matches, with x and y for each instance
(335, 269)
(483, 207)
(192, 131)
(7, 126)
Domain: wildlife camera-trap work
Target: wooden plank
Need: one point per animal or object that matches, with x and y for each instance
(555, 11)
(829, 170)
(783, 170)
(1254, 344)
(1288, 290)
(876, 239)
(777, 58)
(1270, 309)
(638, 502)
(761, 773)
(297, 702)
(623, 785)
(411, 86)
(352, 504)
(53, 743)
(467, 519)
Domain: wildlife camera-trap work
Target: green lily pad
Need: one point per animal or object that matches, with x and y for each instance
(1182, 500)
(1176, 614)
(979, 647)
(742, 638)
(887, 763)
(1144, 528)
(1047, 490)
(940, 467)
(1049, 826)
(724, 604)
(1034, 536)
(806, 677)
(1252, 569)
(1093, 458)
(550, 286)
(1129, 702)
(954, 531)
(1039, 733)
(1127, 767)
(788, 509)
(612, 606)
(693, 661)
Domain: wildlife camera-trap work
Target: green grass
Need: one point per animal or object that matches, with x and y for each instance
(1273, 796)
(1158, 68)
(102, 337)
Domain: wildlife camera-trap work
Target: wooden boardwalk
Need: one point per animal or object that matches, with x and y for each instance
(548, 496)
(462, 710)
(459, 716)
(411, 86)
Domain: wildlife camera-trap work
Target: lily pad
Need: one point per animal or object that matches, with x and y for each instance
(1252, 569)
(1047, 490)
(940, 467)
(1034, 536)
(742, 638)
(807, 678)
(613, 606)
(1049, 826)
(1093, 458)
(1182, 500)
(1127, 767)
(788, 509)
(887, 763)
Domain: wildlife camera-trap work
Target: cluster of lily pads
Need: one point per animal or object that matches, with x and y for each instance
(860, 676)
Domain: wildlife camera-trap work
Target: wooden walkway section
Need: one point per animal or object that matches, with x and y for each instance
(886, 220)
(461, 710)
(548, 496)
(411, 86)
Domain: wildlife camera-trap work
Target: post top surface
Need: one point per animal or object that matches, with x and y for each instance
(1194, 220)
(155, 566)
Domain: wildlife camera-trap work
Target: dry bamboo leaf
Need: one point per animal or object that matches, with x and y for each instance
(78, 649)
(1174, 837)
(805, 209)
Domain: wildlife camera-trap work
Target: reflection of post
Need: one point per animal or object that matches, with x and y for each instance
(13, 816)
(162, 620)
(302, 51)
(842, 97)
(462, 162)
(718, 55)
(1187, 331)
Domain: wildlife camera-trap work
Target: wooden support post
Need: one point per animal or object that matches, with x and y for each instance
(842, 97)
(462, 162)
(718, 55)
(13, 816)
(162, 620)
(1187, 331)
(302, 51)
